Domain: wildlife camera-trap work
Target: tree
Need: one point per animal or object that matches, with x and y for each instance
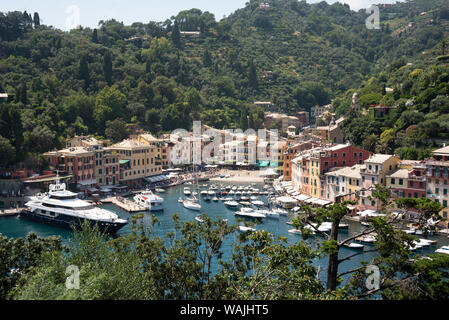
(109, 105)
(83, 71)
(252, 75)
(176, 35)
(116, 130)
(95, 36)
(392, 246)
(36, 20)
(107, 67)
(7, 152)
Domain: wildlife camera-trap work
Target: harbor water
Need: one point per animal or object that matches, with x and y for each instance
(16, 227)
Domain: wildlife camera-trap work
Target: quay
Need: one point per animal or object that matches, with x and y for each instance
(10, 212)
(125, 204)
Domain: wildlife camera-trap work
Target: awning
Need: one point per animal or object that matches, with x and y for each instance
(48, 179)
(302, 197)
(264, 164)
(123, 161)
(157, 178)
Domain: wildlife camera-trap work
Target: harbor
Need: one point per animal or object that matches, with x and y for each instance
(266, 219)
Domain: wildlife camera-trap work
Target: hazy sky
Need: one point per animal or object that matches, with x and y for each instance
(60, 13)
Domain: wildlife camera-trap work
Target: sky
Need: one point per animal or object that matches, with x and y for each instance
(65, 14)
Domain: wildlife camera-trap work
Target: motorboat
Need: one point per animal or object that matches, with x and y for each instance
(246, 229)
(232, 204)
(63, 208)
(149, 201)
(354, 245)
(187, 191)
(245, 203)
(444, 250)
(215, 199)
(280, 211)
(198, 218)
(269, 213)
(159, 190)
(258, 203)
(366, 239)
(211, 193)
(203, 193)
(249, 213)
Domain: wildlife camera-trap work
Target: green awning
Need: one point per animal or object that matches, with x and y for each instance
(263, 164)
(123, 161)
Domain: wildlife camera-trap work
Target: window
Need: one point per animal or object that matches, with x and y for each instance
(401, 182)
(393, 181)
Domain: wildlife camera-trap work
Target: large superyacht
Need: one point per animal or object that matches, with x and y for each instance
(63, 208)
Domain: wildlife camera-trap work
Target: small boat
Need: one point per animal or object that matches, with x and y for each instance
(187, 191)
(207, 199)
(297, 231)
(343, 226)
(160, 190)
(149, 201)
(211, 193)
(444, 250)
(232, 204)
(203, 193)
(215, 199)
(280, 211)
(367, 239)
(365, 224)
(245, 203)
(191, 205)
(246, 229)
(354, 245)
(249, 213)
(258, 203)
(270, 214)
(409, 231)
(198, 218)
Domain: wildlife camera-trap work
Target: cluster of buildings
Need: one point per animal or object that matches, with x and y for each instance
(343, 172)
(94, 163)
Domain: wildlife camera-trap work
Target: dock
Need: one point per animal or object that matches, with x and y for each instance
(10, 212)
(125, 204)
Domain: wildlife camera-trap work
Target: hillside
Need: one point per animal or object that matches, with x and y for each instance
(152, 75)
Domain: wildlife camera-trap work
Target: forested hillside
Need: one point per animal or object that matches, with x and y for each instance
(151, 74)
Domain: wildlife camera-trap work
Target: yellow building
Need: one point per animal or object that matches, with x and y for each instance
(162, 149)
(137, 161)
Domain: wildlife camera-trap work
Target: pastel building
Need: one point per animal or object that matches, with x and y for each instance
(437, 174)
(375, 171)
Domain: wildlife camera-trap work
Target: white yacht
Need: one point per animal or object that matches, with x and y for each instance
(232, 204)
(149, 200)
(191, 204)
(61, 207)
(444, 250)
(250, 213)
(187, 191)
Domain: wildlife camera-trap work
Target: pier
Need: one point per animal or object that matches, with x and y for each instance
(125, 204)
(10, 212)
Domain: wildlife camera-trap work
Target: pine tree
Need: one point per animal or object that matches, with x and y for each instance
(107, 68)
(176, 36)
(83, 71)
(95, 36)
(207, 59)
(23, 93)
(252, 75)
(36, 20)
